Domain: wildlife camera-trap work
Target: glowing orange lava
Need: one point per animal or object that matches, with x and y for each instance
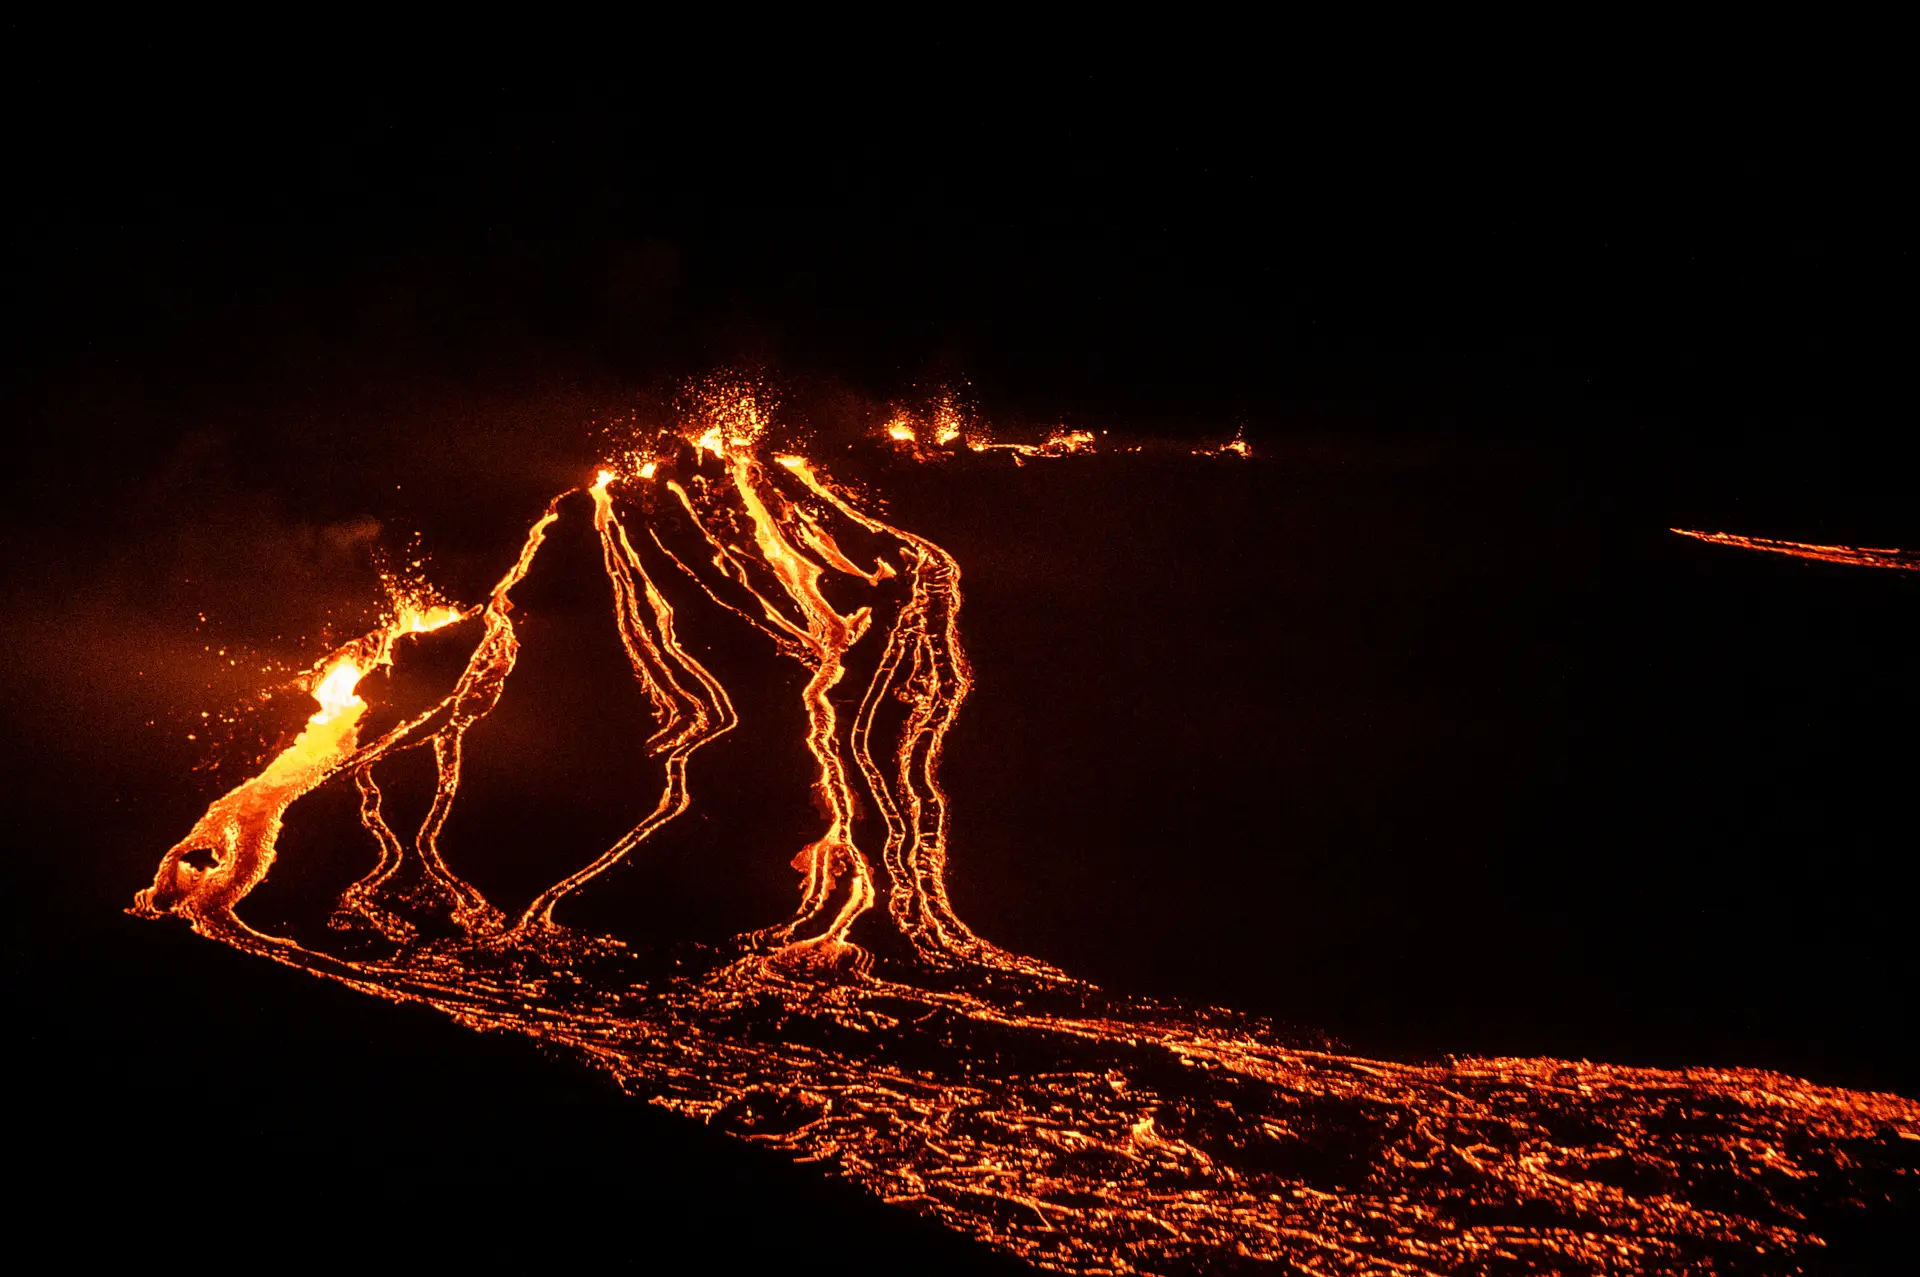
(1857, 556)
(1080, 1130)
(929, 435)
(1234, 447)
(1060, 443)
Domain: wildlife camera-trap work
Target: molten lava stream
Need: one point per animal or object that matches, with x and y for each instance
(1083, 1131)
(1855, 556)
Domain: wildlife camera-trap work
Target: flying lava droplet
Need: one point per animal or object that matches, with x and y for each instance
(875, 1033)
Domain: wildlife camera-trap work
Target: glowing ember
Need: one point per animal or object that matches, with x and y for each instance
(1857, 556)
(1080, 1130)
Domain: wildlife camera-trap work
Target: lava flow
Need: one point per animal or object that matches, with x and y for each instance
(1081, 1130)
(1856, 556)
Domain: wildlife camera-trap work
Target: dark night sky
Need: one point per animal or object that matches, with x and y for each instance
(1569, 788)
(1619, 271)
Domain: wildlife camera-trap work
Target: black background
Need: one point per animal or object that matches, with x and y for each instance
(1419, 730)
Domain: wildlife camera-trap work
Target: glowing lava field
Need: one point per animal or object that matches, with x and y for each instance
(874, 1033)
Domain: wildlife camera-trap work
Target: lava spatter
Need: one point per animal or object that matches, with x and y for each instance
(1083, 1131)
